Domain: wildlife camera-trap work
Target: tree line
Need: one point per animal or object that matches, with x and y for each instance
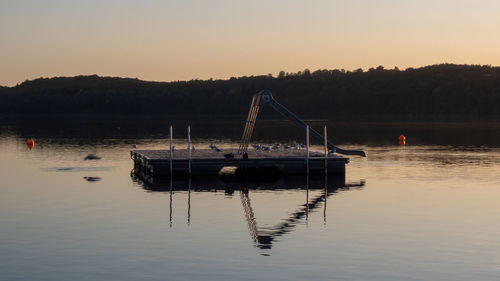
(445, 92)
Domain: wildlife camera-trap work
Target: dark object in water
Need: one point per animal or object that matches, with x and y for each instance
(218, 150)
(245, 155)
(92, 157)
(64, 169)
(229, 155)
(92, 179)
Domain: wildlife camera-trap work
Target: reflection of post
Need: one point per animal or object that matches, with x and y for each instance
(326, 195)
(307, 198)
(189, 200)
(171, 191)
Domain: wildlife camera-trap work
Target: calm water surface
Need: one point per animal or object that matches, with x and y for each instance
(427, 211)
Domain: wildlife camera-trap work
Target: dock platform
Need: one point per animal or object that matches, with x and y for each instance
(208, 162)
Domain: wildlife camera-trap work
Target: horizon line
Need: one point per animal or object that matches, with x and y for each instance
(343, 70)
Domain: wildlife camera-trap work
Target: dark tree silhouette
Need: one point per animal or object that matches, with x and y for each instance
(444, 92)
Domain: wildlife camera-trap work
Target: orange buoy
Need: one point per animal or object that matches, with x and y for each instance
(30, 143)
(402, 140)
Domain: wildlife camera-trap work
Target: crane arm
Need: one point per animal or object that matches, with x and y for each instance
(265, 98)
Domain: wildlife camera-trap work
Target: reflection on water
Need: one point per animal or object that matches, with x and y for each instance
(75, 169)
(92, 179)
(426, 212)
(135, 129)
(263, 237)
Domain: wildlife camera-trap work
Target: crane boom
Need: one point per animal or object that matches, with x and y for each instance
(265, 97)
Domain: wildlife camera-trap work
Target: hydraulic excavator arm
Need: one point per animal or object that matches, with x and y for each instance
(266, 98)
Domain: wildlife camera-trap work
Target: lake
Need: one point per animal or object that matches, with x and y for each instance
(425, 211)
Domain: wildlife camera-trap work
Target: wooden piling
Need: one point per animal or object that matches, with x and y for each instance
(171, 154)
(189, 148)
(307, 149)
(326, 150)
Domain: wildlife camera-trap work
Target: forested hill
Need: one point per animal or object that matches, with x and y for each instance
(433, 93)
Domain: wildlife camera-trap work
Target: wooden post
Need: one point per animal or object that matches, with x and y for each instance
(307, 149)
(171, 154)
(326, 151)
(189, 148)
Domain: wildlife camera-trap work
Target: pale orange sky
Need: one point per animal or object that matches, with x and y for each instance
(182, 40)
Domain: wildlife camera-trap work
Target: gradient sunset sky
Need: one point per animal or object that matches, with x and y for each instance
(181, 40)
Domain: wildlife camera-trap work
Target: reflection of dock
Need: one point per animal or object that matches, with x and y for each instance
(214, 183)
(209, 162)
(263, 237)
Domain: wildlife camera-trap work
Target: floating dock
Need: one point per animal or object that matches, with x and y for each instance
(208, 162)
(259, 163)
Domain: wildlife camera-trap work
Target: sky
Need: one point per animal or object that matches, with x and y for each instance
(182, 40)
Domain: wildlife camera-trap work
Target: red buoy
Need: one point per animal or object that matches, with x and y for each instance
(402, 140)
(30, 143)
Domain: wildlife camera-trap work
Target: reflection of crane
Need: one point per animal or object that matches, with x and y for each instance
(263, 238)
(252, 223)
(266, 98)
